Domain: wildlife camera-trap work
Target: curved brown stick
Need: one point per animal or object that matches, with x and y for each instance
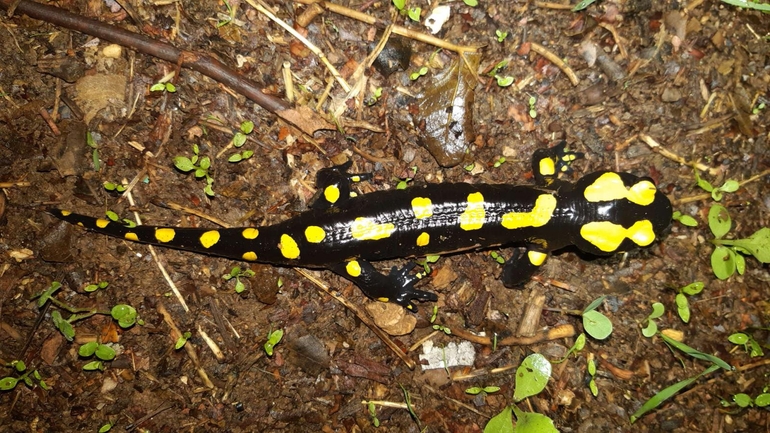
(303, 118)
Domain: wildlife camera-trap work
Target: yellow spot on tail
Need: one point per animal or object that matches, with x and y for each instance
(332, 194)
(209, 238)
(539, 215)
(365, 229)
(250, 256)
(608, 236)
(547, 167)
(80, 224)
(102, 223)
(423, 239)
(288, 247)
(536, 257)
(383, 299)
(355, 178)
(473, 216)
(610, 186)
(165, 234)
(131, 236)
(353, 268)
(315, 234)
(250, 233)
(65, 212)
(422, 207)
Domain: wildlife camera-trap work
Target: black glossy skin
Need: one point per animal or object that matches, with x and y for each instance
(449, 201)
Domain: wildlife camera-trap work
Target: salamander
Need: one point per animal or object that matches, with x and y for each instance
(601, 213)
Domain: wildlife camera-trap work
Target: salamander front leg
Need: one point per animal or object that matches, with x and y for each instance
(521, 266)
(396, 287)
(333, 185)
(547, 164)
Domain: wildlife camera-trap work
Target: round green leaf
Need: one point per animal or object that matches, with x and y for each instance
(738, 338)
(105, 353)
(657, 310)
(88, 349)
(651, 329)
(762, 400)
(8, 383)
(723, 262)
(593, 387)
(239, 139)
(236, 157)
(740, 263)
(531, 376)
(719, 220)
(597, 325)
(730, 186)
(682, 307)
(742, 400)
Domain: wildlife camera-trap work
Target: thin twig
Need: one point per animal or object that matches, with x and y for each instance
(556, 60)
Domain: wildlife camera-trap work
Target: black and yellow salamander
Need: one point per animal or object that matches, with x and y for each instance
(602, 213)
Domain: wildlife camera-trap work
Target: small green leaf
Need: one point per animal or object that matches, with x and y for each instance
(8, 383)
(170, 87)
(595, 304)
(723, 262)
(105, 428)
(183, 163)
(20, 366)
(592, 367)
(236, 157)
(88, 349)
(651, 329)
(657, 310)
(730, 186)
(738, 338)
(157, 87)
(530, 422)
(205, 163)
(272, 340)
(239, 139)
(471, 3)
(531, 376)
(719, 220)
(593, 387)
(742, 400)
(474, 390)
(94, 365)
(740, 263)
(597, 325)
(414, 13)
(399, 4)
(247, 127)
(762, 400)
(208, 190)
(246, 154)
(105, 353)
(582, 5)
(687, 220)
(491, 389)
(669, 392)
(683, 307)
(501, 423)
(580, 342)
(693, 288)
(504, 80)
(239, 286)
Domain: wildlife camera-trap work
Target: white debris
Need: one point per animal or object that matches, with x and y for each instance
(451, 355)
(437, 18)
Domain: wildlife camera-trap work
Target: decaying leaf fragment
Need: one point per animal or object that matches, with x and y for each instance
(445, 115)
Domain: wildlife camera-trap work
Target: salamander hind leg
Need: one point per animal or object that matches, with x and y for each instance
(547, 164)
(396, 287)
(333, 185)
(521, 266)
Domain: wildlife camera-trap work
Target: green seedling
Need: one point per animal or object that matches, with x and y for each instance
(596, 324)
(106, 427)
(239, 139)
(163, 87)
(414, 14)
(112, 216)
(504, 80)
(433, 258)
(91, 142)
(441, 328)
(102, 352)
(182, 340)
(482, 391)
(434, 315)
(685, 220)
(471, 3)
(499, 258)
(125, 315)
(500, 161)
(532, 109)
(761, 106)
(497, 68)
(399, 4)
(374, 97)
(409, 408)
(682, 304)
(580, 343)
(730, 185)
(237, 273)
(501, 35)
(591, 367)
(469, 167)
(373, 414)
(727, 257)
(417, 74)
(748, 342)
(114, 187)
(94, 287)
(744, 401)
(29, 378)
(199, 165)
(651, 327)
(273, 338)
(226, 19)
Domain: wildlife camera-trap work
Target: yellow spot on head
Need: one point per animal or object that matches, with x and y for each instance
(365, 229)
(102, 223)
(65, 213)
(539, 216)
(250, 256)
(423, 239)
(422, 207)
(353, 268)
(610, 186)
(332, 193)
(547, 167)
(314, 234)
(608, 236)
(165, 234)
(473, 216)
(536, 257)
(131, 236)
(288, 247)
(209, 238)
(250, 233)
